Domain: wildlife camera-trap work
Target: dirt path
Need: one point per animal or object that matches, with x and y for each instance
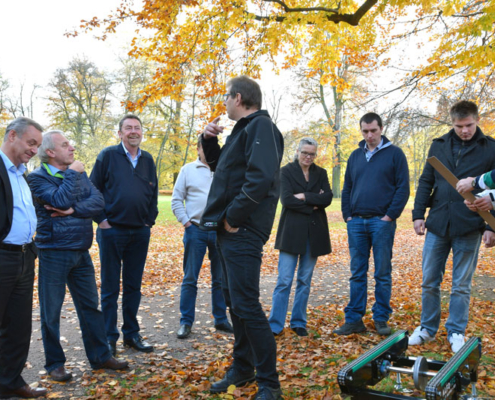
(159, 318)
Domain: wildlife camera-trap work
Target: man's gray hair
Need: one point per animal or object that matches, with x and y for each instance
(47, 144)
(20, 125)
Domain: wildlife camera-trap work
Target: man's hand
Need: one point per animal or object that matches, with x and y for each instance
(300, 196)
(483, 203)
(465, 185)
(228, 228)
(470, 205)
(104, 225)
(77, 166)
(419, 226)
(480, 204)
(187, 224)
(212, 129)
(58, 212)
(489, 238)
(386, 218)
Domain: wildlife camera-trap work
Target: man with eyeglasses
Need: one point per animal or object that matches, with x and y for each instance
(241, 206)
(376, 190)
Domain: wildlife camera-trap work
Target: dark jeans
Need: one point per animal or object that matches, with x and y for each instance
(58, 268)
(196, 241)
(16, 306)
(363, 235)
(122, 249)
(254, 344)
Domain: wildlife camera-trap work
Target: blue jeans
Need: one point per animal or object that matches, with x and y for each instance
(465, 256)
(122, 249)
(196, 241)
(58, 268)
(364, 234)
(254, 344)
(287, 263)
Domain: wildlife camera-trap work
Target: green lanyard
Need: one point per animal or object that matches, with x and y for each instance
(57, 175)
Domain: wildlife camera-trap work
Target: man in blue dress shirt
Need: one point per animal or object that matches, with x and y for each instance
(17, 255)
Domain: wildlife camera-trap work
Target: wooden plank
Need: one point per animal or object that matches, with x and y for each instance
(452, 179)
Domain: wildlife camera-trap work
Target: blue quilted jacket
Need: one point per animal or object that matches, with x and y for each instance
(73, 232)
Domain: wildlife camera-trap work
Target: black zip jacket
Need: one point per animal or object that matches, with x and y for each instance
(448, 215)
(245, 187)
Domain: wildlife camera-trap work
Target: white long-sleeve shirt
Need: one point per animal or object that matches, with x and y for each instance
(192, 188)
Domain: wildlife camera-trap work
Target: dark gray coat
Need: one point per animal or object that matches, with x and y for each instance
(448, 215)
(299, 219)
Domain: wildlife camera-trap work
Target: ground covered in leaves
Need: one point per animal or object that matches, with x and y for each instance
(308, 367)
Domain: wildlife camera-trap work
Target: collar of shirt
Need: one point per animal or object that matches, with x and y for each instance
(370, 153)
(200, 164)
(54, 170)
(9, 165)
(129, 156)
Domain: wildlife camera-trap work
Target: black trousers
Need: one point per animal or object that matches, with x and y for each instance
(16, 309)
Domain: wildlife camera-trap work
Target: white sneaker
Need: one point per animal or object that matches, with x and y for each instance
(456, 341)
(420, 336)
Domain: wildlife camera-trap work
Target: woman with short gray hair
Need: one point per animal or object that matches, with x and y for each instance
(302, 234)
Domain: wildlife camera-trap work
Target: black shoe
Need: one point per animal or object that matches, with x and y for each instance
(184, 331)
(232, 377)
(268, 393)
(139, 344)
(300, 331)
(382, 328)
(224, 327)
(113, 347)
(60, 374)
(350, 327)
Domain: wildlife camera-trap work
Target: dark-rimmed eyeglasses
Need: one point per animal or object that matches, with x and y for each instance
(226, 96)
(306, 154)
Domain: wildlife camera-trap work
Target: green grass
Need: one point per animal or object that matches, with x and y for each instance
(166, 216)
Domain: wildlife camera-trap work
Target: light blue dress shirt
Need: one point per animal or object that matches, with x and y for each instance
(24, 216)
(129, 156)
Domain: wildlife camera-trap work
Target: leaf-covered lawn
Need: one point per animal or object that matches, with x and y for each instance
(308, 367)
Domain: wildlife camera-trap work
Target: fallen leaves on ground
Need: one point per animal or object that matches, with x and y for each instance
(307, 367)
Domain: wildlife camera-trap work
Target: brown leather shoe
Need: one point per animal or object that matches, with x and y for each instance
(26, 392)
(114, 363)
(60, 374)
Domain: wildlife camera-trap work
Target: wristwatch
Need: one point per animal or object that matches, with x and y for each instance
(473, 182)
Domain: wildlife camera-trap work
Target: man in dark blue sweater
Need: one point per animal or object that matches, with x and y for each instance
(376, 190)
(126, 176)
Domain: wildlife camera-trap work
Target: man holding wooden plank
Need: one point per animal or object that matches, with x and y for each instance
(466, 152)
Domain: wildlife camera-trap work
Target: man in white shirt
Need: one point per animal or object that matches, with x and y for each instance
(192, 187)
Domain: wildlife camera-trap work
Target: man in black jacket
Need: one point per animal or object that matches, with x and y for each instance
(241, 206)
(466, 152)
(65, 201)
(17, 255)
(126, 176)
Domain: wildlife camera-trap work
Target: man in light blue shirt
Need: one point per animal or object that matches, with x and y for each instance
(17, 255)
